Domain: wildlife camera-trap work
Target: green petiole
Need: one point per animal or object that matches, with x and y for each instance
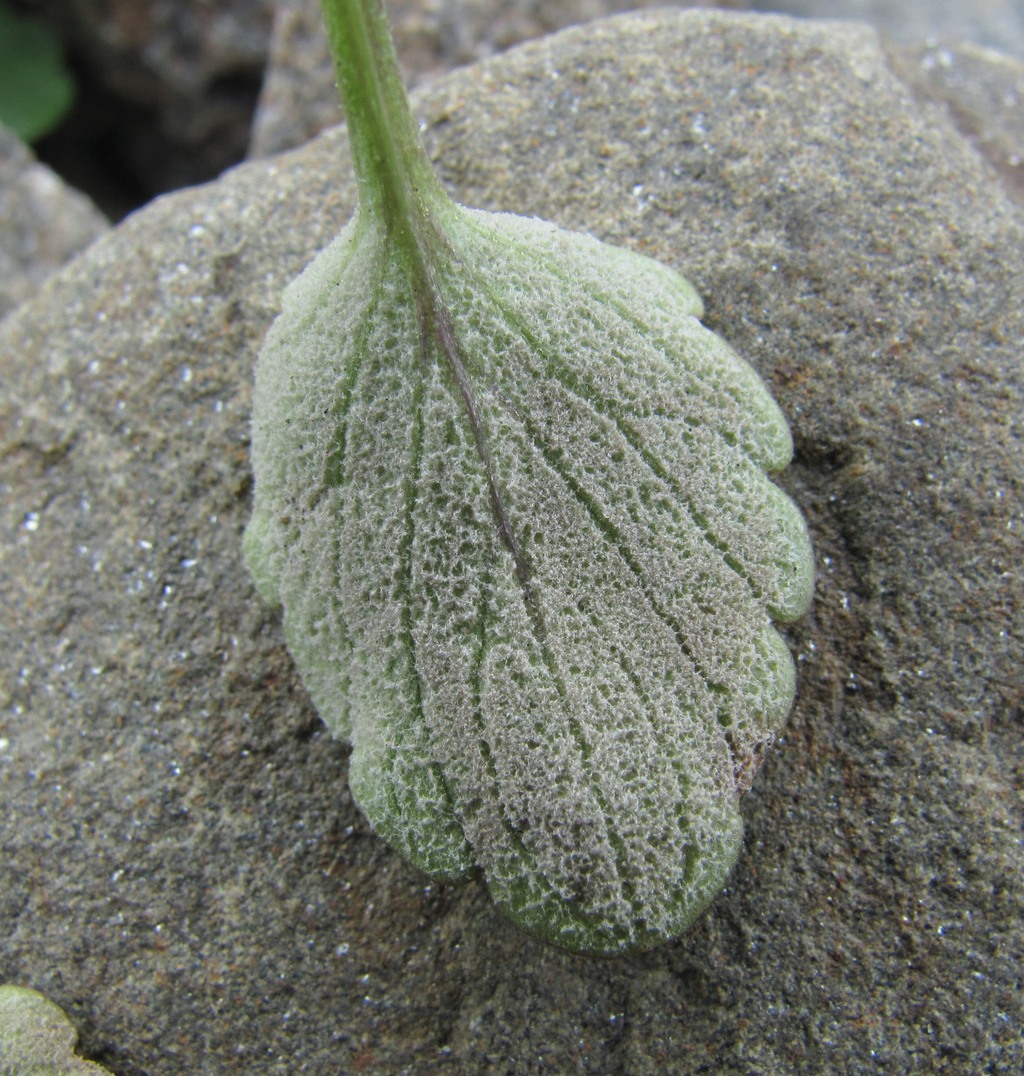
(396, 183)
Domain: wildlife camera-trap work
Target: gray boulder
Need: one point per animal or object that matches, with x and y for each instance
(43, 222)
(996, 24)
(184, 871)
(166, 91)
(299, 97)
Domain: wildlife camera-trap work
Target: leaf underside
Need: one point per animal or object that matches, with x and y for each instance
(529, 558)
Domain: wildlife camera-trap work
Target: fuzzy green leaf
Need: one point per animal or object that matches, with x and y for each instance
(529, 556)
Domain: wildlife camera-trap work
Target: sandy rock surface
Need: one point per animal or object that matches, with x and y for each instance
(184, 872)
(299, 99)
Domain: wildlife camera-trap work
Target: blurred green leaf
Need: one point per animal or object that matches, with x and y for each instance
(36, 89)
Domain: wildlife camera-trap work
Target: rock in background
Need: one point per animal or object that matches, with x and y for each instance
(996, 24)
(299, 98)
(43, 222)
(166, 92)
(983, 93)
(168, 87)
(184, 872)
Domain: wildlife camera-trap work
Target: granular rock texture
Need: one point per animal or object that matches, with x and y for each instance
(184, 872)
(299, 98)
